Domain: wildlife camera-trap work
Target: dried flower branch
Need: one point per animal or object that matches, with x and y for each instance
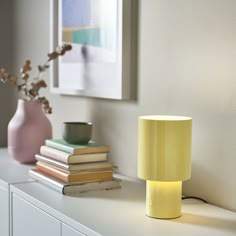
(30, 89)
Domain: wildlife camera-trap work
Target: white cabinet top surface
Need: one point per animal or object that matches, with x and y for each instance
(12, 171)
(121, 212)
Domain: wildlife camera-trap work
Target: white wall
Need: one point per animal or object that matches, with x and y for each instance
(186, 66)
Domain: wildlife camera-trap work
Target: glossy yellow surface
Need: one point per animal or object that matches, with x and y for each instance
(164, 148)
(163, 199)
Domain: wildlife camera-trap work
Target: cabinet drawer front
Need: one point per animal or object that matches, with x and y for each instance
(29, 220)
(4, 212)
(68, 231)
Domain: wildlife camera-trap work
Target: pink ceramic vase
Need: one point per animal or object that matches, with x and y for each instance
(27, 131)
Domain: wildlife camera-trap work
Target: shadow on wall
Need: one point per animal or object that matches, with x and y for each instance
(134, 50)
(101, 128)
(7, 108)
(7, 99)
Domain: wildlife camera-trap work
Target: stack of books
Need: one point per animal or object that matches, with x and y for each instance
(72, 169)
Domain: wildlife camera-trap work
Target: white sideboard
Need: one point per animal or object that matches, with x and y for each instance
(10, 172)
(111, 213)
(4, 212)
(38, 210)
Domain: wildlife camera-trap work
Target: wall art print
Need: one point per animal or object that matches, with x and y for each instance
(100, 34)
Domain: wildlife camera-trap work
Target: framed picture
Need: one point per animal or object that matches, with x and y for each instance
(100, 34)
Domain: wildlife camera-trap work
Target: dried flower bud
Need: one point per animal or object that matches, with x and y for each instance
(19, 87)
(2, 70)
(43, 68)
(26, 67)
(30, 90)
(53, 55)
(33, 93)
(67, 47)
(47, 110)
(27, 62)
(25, 76)
(45, 105)
(41, 84)
(14, 80)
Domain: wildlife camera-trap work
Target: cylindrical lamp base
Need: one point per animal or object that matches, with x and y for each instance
(163, 199)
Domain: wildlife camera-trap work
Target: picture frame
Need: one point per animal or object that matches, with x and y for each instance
(99, 62)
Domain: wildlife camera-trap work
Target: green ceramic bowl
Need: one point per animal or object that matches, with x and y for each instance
(77, 132)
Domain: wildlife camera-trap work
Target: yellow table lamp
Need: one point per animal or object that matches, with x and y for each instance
(164, 160)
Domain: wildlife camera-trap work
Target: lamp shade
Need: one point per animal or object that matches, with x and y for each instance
(164, 148)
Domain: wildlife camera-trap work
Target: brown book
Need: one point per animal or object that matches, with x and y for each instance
(74, 177)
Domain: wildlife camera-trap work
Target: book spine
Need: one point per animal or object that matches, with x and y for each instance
(52, 162)
(91, 186)
(53, 172)
(46, 165)
(46, 181)
(54, 154)
(72, 178)
(91, 176)
(59, 146)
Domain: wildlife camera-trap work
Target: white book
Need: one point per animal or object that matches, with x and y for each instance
(75, 188)
(100, 165)
(71, 158)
